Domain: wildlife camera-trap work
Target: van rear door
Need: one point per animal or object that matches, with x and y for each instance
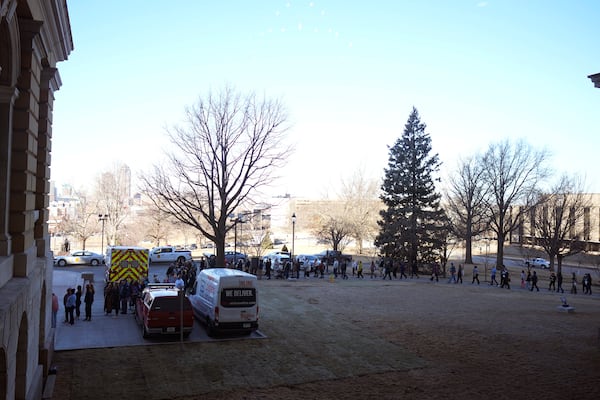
(238, 307)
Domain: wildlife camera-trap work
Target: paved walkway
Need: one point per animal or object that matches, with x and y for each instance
(110, 330)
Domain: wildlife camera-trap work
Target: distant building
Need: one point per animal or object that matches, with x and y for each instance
(585, 230)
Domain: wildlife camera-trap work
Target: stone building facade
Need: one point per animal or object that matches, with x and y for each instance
(585, 230)
(35, 35)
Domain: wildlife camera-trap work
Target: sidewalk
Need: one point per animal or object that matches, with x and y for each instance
(110, 330)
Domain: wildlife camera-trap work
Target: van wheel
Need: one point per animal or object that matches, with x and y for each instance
(210, 328)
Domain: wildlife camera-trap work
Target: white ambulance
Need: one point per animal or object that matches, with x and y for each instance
(127, 263)
(226, 300)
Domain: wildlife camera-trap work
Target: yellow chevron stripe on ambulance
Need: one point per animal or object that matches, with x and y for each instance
(129, 263)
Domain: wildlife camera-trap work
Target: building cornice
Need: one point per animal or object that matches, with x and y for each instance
(595, 79)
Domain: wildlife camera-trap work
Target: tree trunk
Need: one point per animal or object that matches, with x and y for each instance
(469, 250)
(500, 250)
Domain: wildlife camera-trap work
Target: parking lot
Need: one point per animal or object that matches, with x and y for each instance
(110, 330)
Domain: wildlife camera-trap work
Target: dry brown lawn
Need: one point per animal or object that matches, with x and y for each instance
(367, 339)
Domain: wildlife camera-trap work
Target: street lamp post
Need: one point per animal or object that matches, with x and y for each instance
(102, 218)
(487, 252)
(180, 285)
(235, 222)
(293, 238)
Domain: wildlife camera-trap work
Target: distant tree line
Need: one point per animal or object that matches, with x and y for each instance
(231, 146)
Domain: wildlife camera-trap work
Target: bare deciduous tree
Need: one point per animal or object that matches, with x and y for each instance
(227, 150)
(157, 225)
(334, 228)
(465, 202)
(112, 195)
(84, 222)
(361, 204)
(513, 172)
(559, 220)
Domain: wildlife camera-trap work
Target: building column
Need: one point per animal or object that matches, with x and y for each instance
(24, 147)
(7, 101)
(48, 85)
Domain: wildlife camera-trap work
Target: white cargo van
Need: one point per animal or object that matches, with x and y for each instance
(226, 300)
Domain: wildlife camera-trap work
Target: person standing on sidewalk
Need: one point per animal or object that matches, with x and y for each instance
(505, 278)
(452, 273)
(71, 300)
(460, 274)
(559, 281)
(65, 298)
(574, 284)
(435, 272)
(534, 280)
(493, 277)
(403, 270)
(359, 271)
(387, 271)
(88, 300)
(475, 275)
(552, 285)
(54, 309)
(78, 295)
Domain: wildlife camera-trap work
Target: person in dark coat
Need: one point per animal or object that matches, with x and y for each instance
(534, 280)
(65, 297)
(114, 298)
(268, 268)
(559, 281)
(78, 295)
(88, 300)
(124, 294)
(108, 298)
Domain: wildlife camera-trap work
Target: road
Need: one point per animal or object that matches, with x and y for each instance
(99, 272)
(515, 263)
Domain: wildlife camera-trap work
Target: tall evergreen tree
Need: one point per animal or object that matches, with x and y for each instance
(413, 225)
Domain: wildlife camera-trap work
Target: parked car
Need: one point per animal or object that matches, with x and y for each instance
(233, 257)
(329, 256)
(80, 257)
(307, 261)
(278, 260)
(158, 310)
(538, 263)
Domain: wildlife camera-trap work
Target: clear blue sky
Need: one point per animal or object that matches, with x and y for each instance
(348, 72)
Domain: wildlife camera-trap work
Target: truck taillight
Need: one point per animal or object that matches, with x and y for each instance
(216, 314)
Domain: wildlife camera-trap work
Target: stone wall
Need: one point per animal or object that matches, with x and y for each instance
(34, 36)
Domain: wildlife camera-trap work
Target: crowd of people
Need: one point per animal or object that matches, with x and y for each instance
(72, 300)
(390, 269)
(120, 297)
